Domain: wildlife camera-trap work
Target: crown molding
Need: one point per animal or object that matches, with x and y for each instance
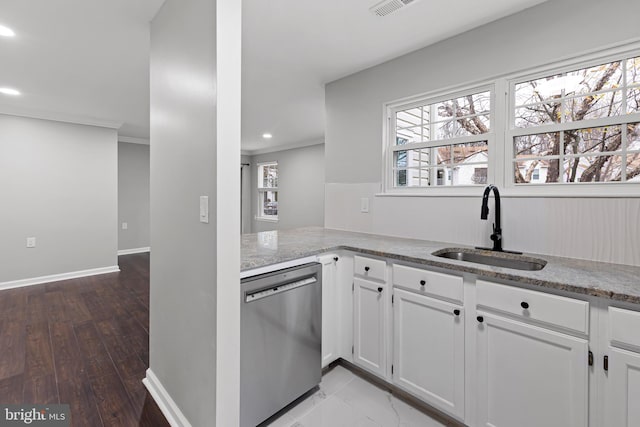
(284, 147)
(133, 140)
(11, 110)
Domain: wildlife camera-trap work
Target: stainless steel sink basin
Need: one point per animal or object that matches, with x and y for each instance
(498, 259)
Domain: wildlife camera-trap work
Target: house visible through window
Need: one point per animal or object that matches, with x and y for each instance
(268, 190)
(441, 142)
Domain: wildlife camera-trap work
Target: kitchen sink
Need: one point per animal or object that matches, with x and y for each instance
(498, 259)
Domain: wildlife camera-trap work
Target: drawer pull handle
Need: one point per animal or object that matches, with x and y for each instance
(335, 258)
(480, 319)
(380, 289)
(456, 312)
(524, 305)
(606, 363)
(422, 283)
(366, 268)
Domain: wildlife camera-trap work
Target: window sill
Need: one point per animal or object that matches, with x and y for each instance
(265, 219)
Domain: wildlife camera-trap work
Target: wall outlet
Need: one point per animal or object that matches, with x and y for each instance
(125, 225)
(364, 205)
(31, 242)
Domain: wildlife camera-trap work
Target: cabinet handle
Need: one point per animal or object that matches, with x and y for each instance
(524, 305)
(590, 358)
(366, 268)
(422, 283)
(335, 258)
(380, 289)
(480, 319)
(456, 312)
(606, 363)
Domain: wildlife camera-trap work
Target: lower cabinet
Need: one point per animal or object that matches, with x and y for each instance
(369, 331)
(530, 376)
(623, 393)
(428, 350)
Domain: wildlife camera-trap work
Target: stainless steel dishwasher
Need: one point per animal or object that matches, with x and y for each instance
(280, 339)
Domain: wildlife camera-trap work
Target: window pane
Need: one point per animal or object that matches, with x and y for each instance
(444, 110)
(633, 101)
(592, 79)
(444, 154)
(269, 176)
(410, 117)
(536, 171)
(633, 167)
(442, 176)
(633, 71)
(537, 115)
(633, 136)
(539, 90)
(592, 169)
(445, 130)
(469, 174)
(407, 136)
(607, 104)
(270, 203)
(472, 152)
(542, 144)
(475, 125)
(593, 140)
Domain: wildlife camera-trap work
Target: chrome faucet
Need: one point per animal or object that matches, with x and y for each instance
(484, 214)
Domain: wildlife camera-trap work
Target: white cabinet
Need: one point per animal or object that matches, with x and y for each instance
(330, 317)
(623, 383)
(530, 376)
(428, 350)
(369, 325)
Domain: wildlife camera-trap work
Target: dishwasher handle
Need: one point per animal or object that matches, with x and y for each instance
(278, 289)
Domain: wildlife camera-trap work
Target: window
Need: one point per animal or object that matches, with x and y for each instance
(579, 126)
(440, 142)
(268, 191)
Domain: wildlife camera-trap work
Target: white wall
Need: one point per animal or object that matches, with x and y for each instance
(58, 183)
(300, 188)
(195, 266)
(597, 229)
(133, 195)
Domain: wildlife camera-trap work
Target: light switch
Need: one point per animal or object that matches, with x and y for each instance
(204, 209)
(364, 205)
(125, 225)
(31, 242)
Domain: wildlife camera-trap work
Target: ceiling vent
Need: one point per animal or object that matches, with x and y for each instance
(386, 7)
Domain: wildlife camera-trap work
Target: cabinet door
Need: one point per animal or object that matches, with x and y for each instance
(369, 325)
(329, 309)
(530, 376)
(623, 389)
(429, 350)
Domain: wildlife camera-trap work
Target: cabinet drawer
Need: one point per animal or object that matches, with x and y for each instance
(428, 282)
(565, 312)
(370, 268)
(624, 326)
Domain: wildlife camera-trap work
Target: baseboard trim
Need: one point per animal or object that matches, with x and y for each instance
(169, 409)
(58, 277)
(134, 251)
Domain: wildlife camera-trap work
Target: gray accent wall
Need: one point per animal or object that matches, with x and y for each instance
(300, 188)
(58, 183)
(551, 31)
(133, 195)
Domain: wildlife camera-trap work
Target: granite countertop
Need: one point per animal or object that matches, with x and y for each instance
(614, 281)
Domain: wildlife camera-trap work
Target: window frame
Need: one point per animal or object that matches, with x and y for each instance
(260, 216)
(561, 189)
(500, 139)
(389, 134)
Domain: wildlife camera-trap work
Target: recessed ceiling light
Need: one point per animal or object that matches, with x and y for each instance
(6, 31)
(267, 136)
(9, 91)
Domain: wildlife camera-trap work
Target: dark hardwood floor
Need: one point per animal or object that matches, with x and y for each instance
(83, 342)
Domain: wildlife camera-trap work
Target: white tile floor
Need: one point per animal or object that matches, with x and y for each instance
(346, 400)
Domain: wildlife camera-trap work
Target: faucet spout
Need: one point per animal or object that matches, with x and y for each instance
(496, 236)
